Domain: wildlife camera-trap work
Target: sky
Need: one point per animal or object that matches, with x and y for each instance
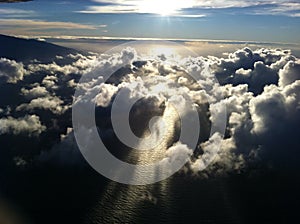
(245, 20)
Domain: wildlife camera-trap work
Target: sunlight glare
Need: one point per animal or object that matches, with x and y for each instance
(162, 7)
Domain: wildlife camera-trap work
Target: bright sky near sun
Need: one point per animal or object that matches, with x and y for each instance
(247, 20)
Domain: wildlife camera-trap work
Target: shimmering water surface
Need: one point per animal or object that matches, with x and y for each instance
(175, 200)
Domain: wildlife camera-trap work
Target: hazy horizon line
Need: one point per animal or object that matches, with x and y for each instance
(72, 37)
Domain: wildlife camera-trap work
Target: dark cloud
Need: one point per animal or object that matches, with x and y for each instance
(14, 1)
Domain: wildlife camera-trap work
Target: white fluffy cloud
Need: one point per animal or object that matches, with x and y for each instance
(260, 89)
(54, 104)
(256, 68)
(178, 153)
(290, 73)
(35, 92)
(256, 99)
(270, 102)
(49, 81)
(11, 70)
(80, 64)
(29, 125)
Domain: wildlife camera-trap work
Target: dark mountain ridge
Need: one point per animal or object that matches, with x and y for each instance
(25, 50)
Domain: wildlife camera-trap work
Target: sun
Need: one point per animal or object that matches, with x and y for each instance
(161, 7)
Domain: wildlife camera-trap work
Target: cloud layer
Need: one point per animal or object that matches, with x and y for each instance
(182, 7)
(260, 90)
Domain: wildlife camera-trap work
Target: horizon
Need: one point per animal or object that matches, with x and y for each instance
(112, 38)
(199, 47)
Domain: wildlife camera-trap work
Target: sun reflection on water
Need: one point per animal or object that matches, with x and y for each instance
(125, 201)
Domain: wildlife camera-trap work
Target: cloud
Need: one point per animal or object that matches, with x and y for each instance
(151, 6)
(11, 71)
(28, 24)
(80, 64)
(29, 125)
(133, 6)
(54, 104)
(285, 8)
(106, 92)
(50, 81)
(16, 12)
(178, 153)
(35, 92)
(14, 1)
(255, 68)
(260, 89)
(217, 161)
(191, 15)
(270, 102)
(276, 108)
(257, 103)
(289, 73)
(183, 7)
